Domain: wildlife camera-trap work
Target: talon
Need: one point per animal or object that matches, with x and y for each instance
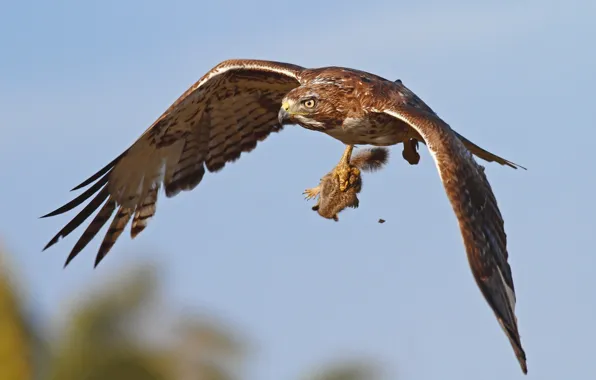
(347, 176)
(343, 170)
(344, 180)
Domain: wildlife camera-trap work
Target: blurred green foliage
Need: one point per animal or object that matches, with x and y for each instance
(108, 336)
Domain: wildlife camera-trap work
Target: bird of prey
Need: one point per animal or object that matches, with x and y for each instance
(240, 102)
(331, 200)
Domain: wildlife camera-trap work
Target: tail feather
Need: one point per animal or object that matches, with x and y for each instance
(486, 155)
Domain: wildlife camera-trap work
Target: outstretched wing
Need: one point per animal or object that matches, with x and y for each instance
(222, 115)
(479, 218)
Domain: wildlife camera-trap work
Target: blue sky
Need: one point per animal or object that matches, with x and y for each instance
(81, 81)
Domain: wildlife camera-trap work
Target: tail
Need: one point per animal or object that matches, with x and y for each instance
(370, 160)
(486, 155)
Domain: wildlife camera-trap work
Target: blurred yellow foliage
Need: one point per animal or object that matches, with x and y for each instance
(104, 339)
(15, 354)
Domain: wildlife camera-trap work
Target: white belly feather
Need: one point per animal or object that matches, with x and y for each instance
(367, 132)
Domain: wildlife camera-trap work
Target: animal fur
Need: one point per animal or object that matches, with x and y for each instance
(331, 200)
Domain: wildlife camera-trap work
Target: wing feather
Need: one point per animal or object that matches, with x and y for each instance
(93, 228)
(80, 217)
(224, 114)
(114, 231)
(188, 171)
(80, 199)
(98, 174)
(144, 213)
(480, 221)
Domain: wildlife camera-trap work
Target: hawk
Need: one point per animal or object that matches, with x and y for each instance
(240, 102)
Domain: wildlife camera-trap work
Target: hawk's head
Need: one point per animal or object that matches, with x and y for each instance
(316, 107)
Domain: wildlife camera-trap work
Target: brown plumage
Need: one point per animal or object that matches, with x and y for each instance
(331, 200)
(240, 102)
(480, 220)
(410, 152)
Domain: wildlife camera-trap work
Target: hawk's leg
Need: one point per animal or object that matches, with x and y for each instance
(311, 193)
(346, 173)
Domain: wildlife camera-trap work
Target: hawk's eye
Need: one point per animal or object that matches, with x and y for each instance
(309, 103)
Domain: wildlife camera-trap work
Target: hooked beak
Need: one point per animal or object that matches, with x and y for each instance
(284, 115)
